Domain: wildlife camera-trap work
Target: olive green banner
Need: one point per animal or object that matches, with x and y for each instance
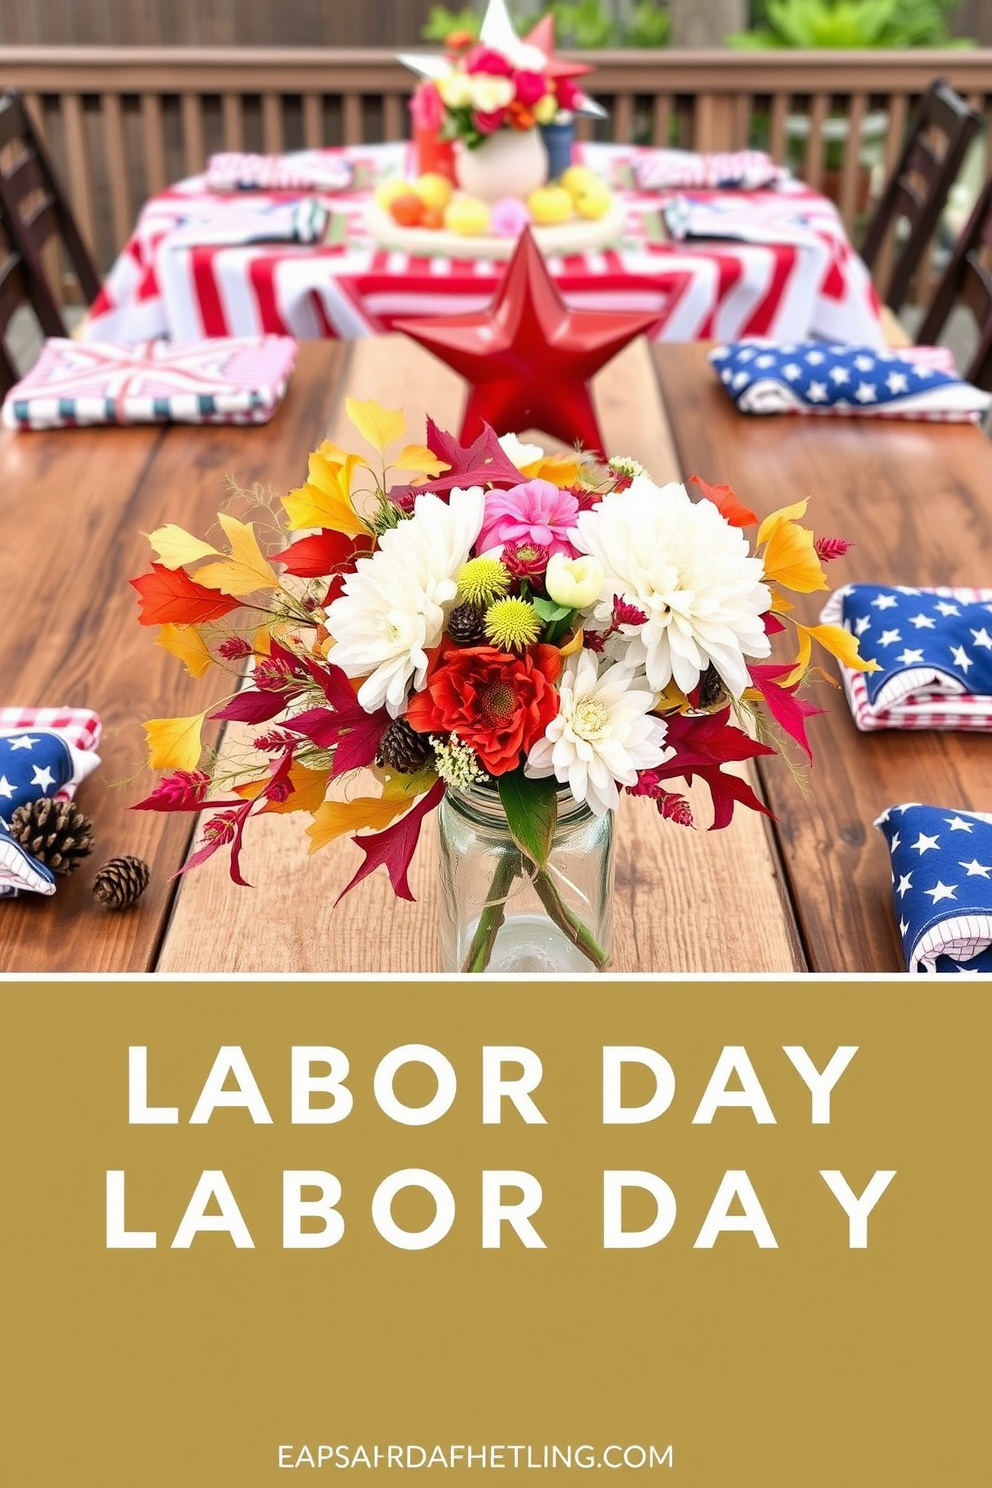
(713, 1234)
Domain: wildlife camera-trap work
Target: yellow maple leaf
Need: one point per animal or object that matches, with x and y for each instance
(419, 458)
(309, 790)
(790, 557)
(782, 514)
(840, 643)
(325, 498)
(174, 743)
(335, 818)
(174, 546)
(186, 642)
(379, 426)
(560, 470)
(246, 569)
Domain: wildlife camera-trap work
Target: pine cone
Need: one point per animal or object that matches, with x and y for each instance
(466, 624)
(403, 749)
(55, 832)
(121, 882)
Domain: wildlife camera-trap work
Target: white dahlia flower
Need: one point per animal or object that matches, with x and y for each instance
(394, 605)
(683, 565)
(602, 734)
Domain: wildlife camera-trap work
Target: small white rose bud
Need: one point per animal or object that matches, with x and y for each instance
(573, 582)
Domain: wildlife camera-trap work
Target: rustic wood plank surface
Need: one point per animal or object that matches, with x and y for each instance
(73, 506)
(683, 898)
(917, 501)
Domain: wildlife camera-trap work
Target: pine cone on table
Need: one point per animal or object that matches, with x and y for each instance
(403, 749)
(121, 882)
(55, 832)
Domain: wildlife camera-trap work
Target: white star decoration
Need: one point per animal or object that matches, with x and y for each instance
(909, 656)
(6, 789)
(897, 382)
(864, 363)
(862, 624)
(884, 602)
(817, 392)
(889, 637)
(42, 777)
(905, 882)
(947, 609)
(925, 844)
(982, 638)
(23, 743)
(865, 393)
(792, 371)
(903, 926)
(961, 658)
(922, 622)
(840, 374)
(958, 824)
(975, 869)
(941, 891)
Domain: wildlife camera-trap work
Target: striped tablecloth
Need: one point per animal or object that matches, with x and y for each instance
(790, 274)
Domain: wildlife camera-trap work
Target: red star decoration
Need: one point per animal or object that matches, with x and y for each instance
(543, 37)
(528, 357)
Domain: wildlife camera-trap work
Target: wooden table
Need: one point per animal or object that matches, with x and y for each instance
(73, 507)
(917, 501)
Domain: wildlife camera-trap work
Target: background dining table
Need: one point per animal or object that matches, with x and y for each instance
(774, 263)
(809, 891)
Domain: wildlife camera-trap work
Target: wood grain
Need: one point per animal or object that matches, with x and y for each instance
(683, 898)
(74, 504)
(915, 500)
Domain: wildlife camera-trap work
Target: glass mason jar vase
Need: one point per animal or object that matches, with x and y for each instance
(499, 913)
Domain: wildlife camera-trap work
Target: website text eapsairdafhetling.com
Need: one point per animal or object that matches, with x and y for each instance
(413, 1455)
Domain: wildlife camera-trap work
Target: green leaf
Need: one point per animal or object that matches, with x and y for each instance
(548, 610)
(531, 808)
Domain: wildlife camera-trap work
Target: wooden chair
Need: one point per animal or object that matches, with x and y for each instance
(940, 131)
(36, 214)
(14, 292)
(967, 281)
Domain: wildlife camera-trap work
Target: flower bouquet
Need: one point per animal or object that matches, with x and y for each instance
(519, 636)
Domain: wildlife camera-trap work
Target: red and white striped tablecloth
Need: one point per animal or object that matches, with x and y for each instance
(791, 274)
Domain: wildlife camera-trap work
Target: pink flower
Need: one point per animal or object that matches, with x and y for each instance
(489, 123)
(530, 86)
(426, 106)
(536, 512)
(509, 217)
(484, 59)
(569, 96)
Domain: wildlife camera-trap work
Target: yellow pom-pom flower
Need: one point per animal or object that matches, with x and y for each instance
(511, 624)
(482, 580)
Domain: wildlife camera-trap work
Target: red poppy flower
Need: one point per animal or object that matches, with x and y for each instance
(497, 703)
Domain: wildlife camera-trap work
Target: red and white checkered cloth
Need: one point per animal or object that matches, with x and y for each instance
(685, 170)
(918, 708)
(303, 170)
(79, 727)
(785, 285)
(232, 380)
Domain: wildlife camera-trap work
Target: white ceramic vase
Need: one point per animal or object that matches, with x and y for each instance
(511, 162)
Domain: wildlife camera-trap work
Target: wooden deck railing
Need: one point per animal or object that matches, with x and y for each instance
(122, 123)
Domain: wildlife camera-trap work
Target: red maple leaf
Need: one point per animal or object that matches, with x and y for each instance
(393, 848)
(482, 463)
(323, 554)
(168, 596)
(727, 503)
(702, 745)
(785, 707)
(345, 727)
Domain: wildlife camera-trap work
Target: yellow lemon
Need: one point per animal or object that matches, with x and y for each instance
(434, 190)
(387, 191)
(577, 178)
(549, 204)
(593, 200)
(467, 216)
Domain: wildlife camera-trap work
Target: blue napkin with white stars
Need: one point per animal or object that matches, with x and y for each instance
(33, 763)
(921, 641)
(941, 887)
(823, 377)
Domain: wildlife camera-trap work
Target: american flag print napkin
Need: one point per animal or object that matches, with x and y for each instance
(934, 650)
(227, 380)
(678, 170)
(43, 752)
(941, 887)
(821, 377)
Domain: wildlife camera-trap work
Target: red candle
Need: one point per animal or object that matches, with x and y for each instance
(433, 153)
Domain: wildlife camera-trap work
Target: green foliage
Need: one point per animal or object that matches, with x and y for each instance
(849, 24)
(582, 24)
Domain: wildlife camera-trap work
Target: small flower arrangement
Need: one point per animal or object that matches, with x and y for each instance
(487, 89)
(449, 617)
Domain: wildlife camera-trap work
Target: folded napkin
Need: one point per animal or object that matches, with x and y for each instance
(934, 647)
(824, 377)
(43, 752)
(227, 380)
(941, 886)
(675, 170)
(304, 170)
(241, 222)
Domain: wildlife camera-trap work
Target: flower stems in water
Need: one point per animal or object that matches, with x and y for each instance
(568, 921)
(494, 913)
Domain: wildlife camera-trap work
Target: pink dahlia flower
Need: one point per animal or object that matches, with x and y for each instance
(484, 59)
(536, 512)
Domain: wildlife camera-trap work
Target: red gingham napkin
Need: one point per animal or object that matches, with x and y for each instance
(921, 709)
